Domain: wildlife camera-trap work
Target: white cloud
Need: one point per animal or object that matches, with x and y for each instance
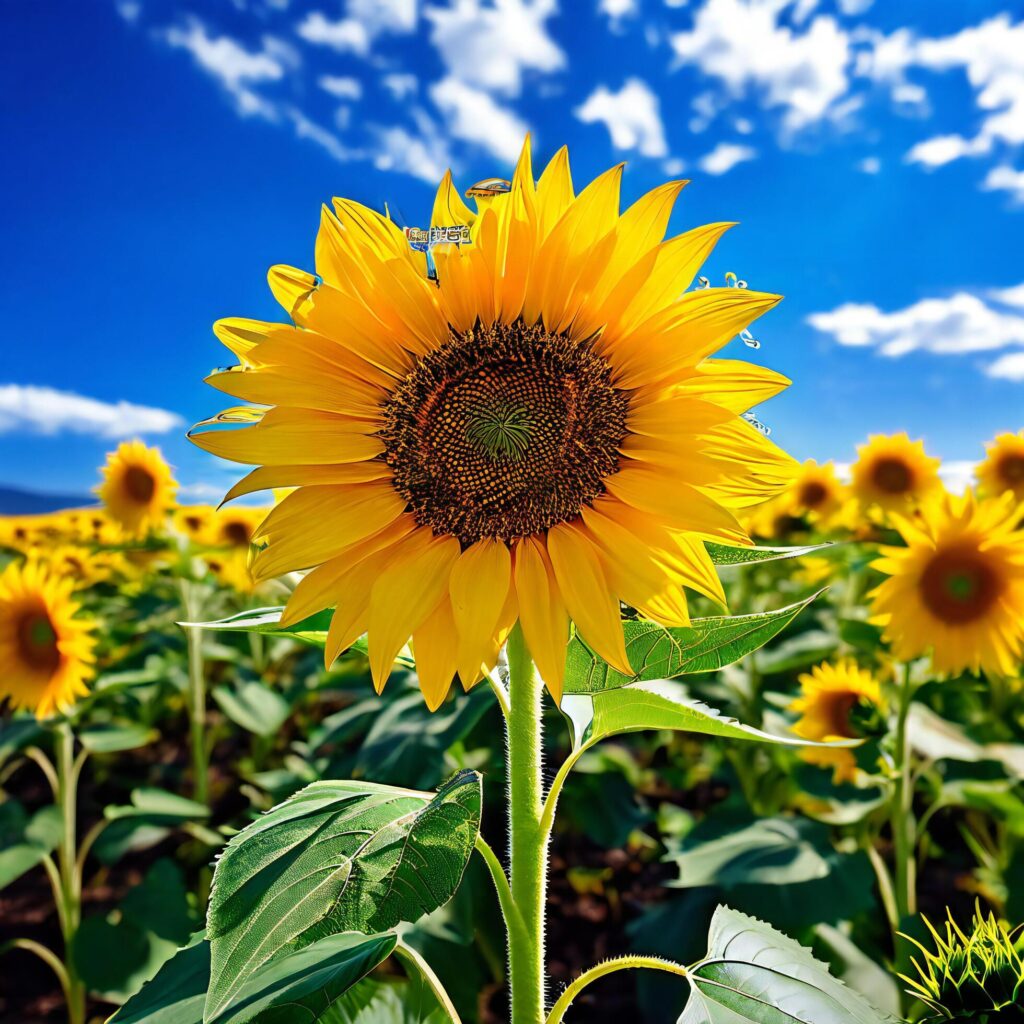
(474, 115)
(743, 44)
(346, 35)
(1005, 179)
(423, 155)
(129, 10)
(870, 165)
(42, 410)
(854, 7)
(957, 474)
(341, 86)
(305, 128)
(401, 85)
(631, 115)
(964, 322)
(1008, 367)
(617, 10)
(943, 149)
(235, 67)
(724, 157)
(493, 46)
(378, 16)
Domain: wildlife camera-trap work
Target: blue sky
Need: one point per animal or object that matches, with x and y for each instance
(161, 156)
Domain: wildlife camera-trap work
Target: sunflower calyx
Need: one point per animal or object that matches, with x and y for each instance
(969, 976)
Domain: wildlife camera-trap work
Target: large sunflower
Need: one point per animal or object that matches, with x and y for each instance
(894, 473)
(957, 588)
(46, 653)
(525, 426)
(832, 698)
(1003, 467)
(138, 489)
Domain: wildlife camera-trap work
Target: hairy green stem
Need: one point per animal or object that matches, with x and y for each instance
(904, 828)
(527, 836)
(622, 963)
(67, 860)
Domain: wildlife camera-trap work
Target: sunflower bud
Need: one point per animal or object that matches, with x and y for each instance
(970, 977)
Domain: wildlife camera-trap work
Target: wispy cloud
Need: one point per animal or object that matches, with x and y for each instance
(965, 322)
(41, 410)
(724, 157)
(632, 116)
(475, 116)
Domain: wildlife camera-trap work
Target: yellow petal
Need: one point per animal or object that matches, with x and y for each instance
(265, 478)
(325, 585)
(678, 504)
(241, 335)
(434, 648)
(289, 436)
(449, 209)
(408, 589)
(554, 192)
(290, 285)
(542, 612)
(478, 588)
(587, 594)
(732, 383)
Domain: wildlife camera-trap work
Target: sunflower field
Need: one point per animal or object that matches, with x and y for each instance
(542, 686)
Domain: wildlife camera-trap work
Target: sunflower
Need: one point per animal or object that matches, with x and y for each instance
(46, 653)
(193, 521)
(957, 588)
(1003, 467)
(80, 566)
(816, 493)
(137, 489)
(233, 528)
(894, 473)
(832, 700)
(527, 426)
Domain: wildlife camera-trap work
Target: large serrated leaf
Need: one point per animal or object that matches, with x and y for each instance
(293, 988)
(338, 856)
(311, 630)
(656, 652)
(661, 704)
(724, 554)
(753, 973)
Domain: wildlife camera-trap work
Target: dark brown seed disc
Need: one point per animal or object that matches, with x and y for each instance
(503, 432)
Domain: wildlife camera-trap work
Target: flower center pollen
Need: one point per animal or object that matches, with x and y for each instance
(503, 431)
(139, 484)
(892, 476)
(959, 587)
(37, 642)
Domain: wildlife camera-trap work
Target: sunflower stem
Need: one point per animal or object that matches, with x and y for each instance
(904, 828)
(196, 694)
(67, 861)
(527, 835)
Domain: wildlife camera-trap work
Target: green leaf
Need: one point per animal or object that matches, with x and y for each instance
(312, 630)
(112, 739)
(656, 652)
(254, 706)
(177, 992)
(25, 841)
(753, 973)
(337, 856)
(724, 554)
(769, 851)
(298, 987)
(115, 953)
(148, 819)
(386, 1002)
(662, 704)
(17, 733)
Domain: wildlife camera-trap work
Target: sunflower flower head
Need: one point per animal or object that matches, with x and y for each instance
(138, 488)
(1002, 469)
(957, 588)
(816, 493)
(970, 976)
(526, 426)
(46, 651)
(894, 474)
(837, 701)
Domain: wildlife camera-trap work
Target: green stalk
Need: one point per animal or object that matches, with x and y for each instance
(196, 696)
(904, 828)
(528, 838)
(70, 877)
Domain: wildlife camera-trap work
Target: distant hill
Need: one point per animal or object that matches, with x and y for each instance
(16, 502)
